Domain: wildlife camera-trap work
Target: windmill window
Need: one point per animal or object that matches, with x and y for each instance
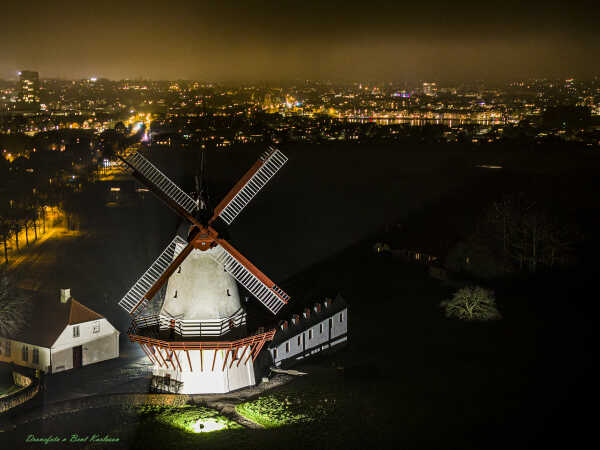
(179, 269)
(287, 347)
(76, 331)
(24, 353)
(228, 294)
(175, 296)
(35, 356)
(96, 328)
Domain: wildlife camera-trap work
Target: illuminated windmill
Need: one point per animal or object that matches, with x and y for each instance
(196, 338)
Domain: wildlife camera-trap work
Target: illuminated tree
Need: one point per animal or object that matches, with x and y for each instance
(472, 303)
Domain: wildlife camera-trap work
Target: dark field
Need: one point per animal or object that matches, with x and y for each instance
(408, 377)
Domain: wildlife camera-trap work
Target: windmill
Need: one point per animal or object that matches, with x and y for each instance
(196, 337)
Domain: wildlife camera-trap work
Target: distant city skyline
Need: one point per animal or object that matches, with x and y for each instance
(289, 40)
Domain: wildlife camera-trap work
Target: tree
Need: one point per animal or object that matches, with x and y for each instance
(531, 236)
(472, 303)
(14, 307)
(5, 230)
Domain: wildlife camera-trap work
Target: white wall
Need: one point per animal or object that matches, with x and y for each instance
(207, 381)
(16, 348)
(318, 341)
(96, 347)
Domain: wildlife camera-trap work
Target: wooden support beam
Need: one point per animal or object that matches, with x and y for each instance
(233, 355)
(161, 357)
(242, 355)
(214, 360)
(258, 349)
(250, 354)
(189, 360)
(177, 359)
(146, 352)
(225, 362)
(151, 352)
(170, 358)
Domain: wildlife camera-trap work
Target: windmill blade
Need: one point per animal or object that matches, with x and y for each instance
(249, 185)
(158, 273)
(161, 185)
(256, 282)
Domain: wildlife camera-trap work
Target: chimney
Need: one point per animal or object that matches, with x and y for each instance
(65, 295)
(327, 302)
(295, 319)
(283, 324)
(317, 307)
(307, 313)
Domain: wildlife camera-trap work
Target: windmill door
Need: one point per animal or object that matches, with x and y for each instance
(77, 357)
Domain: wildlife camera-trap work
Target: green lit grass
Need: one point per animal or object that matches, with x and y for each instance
(287, 408)
(183, 418)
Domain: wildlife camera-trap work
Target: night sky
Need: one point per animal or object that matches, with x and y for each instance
(283, 40)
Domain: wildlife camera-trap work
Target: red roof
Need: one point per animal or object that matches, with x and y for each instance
(50, 317)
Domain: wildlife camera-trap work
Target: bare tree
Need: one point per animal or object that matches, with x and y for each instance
(15, 307)
(472, 303)
(530, 235)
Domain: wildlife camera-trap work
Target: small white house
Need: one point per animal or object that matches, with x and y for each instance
(319, 328)
(61, 335)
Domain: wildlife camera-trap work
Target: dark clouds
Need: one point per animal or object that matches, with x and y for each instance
(312, 39)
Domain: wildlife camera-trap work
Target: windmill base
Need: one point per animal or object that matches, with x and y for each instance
(214, 376)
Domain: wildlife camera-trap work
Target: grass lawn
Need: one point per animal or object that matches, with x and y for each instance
(287, 407)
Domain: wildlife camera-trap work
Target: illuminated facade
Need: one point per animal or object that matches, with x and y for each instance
(29, 90)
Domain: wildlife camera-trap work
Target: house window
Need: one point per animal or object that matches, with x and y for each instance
(341, 317)
(35, 356)
(76, 331)
(309, 334)
(25, 353)
(96, 328)
(299, 340)
(330, 323)
(287, 347)
(7, 348)
(320, 328)
(274, 353)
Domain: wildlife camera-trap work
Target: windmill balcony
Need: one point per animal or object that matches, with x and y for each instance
(159, 324)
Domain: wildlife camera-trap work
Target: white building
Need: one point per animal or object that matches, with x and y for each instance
(317, 329)
(62, 334)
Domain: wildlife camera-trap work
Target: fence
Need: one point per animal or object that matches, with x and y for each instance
(30, 386)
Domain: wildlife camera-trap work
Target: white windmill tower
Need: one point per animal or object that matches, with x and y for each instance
(197, 341)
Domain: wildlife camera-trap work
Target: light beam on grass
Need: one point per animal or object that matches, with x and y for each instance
(206, 426)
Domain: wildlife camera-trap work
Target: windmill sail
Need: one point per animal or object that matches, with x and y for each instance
(137, 297)
(160, 181)
(257, 283)
(250, 184)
